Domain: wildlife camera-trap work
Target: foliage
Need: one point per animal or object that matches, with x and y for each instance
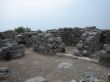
(27, 29)
(22, 29)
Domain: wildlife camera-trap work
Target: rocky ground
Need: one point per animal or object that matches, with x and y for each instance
(52, 68)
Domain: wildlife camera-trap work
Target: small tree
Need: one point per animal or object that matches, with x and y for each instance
(27, 29)
(20, 29)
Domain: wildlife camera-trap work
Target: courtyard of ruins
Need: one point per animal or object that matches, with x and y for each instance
(58, 55)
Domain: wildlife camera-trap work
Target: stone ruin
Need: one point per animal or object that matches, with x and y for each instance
(87, 40)
(70, 36)
(26, 38)
(48, 43)
(4, 73)
(104, 55)
(8, 35)
(92, 40)
(89, 43)
(105, 37)
(10, 49)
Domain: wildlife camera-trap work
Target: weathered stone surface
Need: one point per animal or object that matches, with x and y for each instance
(105, 36)
(8, 35)
(104, 55)
(26, 38)
(99, 81)
(10, 49)
(3, 70)
(3, 73)
(73, 81)
(64, 65)
(88, 77)
(90, 42)
(37, 79)
(77, 52)
(70, 36)
(106, 47)
(58, 81)
(48, 43)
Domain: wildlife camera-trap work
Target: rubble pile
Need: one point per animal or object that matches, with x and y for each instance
(89, 43)
(48, 43)
(10, 49)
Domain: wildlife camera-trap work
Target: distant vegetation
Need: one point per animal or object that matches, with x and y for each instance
(22, 29)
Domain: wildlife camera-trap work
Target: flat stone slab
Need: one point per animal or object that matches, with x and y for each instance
(73, 81)
(64, 65)
(37, 79)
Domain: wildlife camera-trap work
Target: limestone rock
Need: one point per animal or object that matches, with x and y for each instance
(64, 65)
(37, 79)
(73, 81)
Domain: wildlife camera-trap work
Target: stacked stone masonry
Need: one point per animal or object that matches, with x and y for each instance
(48, 43)
(70, 36)
(10, 49)
(89, 43)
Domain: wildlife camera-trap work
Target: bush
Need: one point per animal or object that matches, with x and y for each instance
(22, 29)
(27, 29)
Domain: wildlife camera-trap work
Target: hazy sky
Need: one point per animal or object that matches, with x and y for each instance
(49, 14)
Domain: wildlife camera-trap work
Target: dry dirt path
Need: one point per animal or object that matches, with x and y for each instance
(36, 64)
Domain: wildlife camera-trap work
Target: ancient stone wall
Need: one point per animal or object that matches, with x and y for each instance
(48, 43)
(70, 36)
(8, 35)
(26, 38)
(104, 55)
(10, 49)
(89, 43)
(105, 37)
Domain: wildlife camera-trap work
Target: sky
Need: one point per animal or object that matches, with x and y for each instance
(53, 14)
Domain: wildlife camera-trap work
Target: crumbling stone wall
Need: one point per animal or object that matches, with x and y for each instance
(10, 49)
(104, 55)
(89, 43)
(8, 35)
(48, 43)
(105, 37)
(70, 36)
(25, 38)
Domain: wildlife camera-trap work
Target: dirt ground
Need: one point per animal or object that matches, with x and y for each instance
(36, 64)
